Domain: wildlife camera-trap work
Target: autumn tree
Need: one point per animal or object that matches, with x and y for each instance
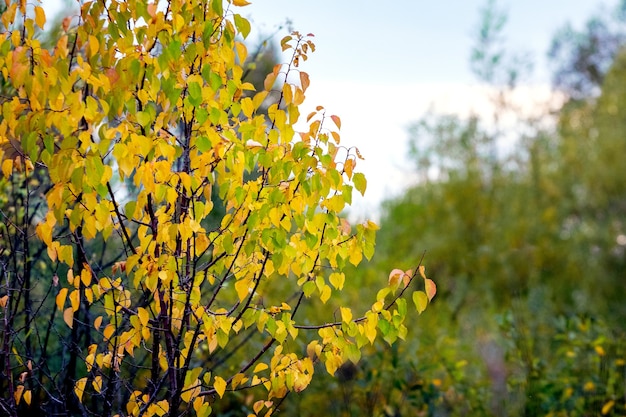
(120, 293)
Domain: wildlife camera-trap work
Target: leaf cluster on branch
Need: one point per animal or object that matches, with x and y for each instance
(127, 133)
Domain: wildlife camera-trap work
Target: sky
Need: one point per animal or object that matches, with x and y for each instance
(380, 66)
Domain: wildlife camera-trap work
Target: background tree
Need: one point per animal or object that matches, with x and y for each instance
(522, 224)
(582, 57)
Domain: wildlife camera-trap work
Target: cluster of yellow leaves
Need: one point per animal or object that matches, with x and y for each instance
(141, 118)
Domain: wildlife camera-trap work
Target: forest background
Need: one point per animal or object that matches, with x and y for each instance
(522, 220)
(521, 215)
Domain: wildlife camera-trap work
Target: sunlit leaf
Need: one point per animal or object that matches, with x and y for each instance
(68, 317)
(360, 183)
(26, 396)
(40, 16)
(431, 288)
(421, 301)
(220, 385)
(79, 388)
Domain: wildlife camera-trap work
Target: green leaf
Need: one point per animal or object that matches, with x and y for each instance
(308, 288)
(29, 144)
(242, 25)
(215, 81)
(143, 118)
(216, 5)
(195, 94)
(384, 326)
(360, 183)
(421, 301)
(203, 143)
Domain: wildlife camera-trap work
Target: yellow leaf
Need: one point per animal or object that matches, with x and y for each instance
(260, 367)
(240, 3)
(61, 298)
(259, 98)
(258, 406)
(247, 106)
(163, 407)
(145, 333)
(97, 322)
(18, 393)
(75, 300)
(238, 379)
(325, 294)
(220, 386)
(40, 16)
(144, 316)
(422, 271)
(337, 280)
(370, 333)
(94, 46)
(66, 254)
(79, 388)
(242, 287)
(70, 277)
(68, 317)
(108, 332)
(378, 306)
(27, 396)
(7, 167)
(337, 121)
(606, 408)
(346, 315)
(287, 94)
(97, 383)
(3, 301)
(85, 275)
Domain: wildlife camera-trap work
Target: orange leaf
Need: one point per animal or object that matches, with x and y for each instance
(394, 276)
(269, 82)
(304, 80)
(60, 300)
(431, 288)
(152, 9)
(68, 317)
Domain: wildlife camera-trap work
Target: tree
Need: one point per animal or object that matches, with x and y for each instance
(119, 294)
(581, 58)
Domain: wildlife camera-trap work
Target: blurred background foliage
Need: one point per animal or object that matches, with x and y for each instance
(522, 218)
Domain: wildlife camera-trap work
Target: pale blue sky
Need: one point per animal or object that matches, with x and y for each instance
(411, 40)
(380, 65)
